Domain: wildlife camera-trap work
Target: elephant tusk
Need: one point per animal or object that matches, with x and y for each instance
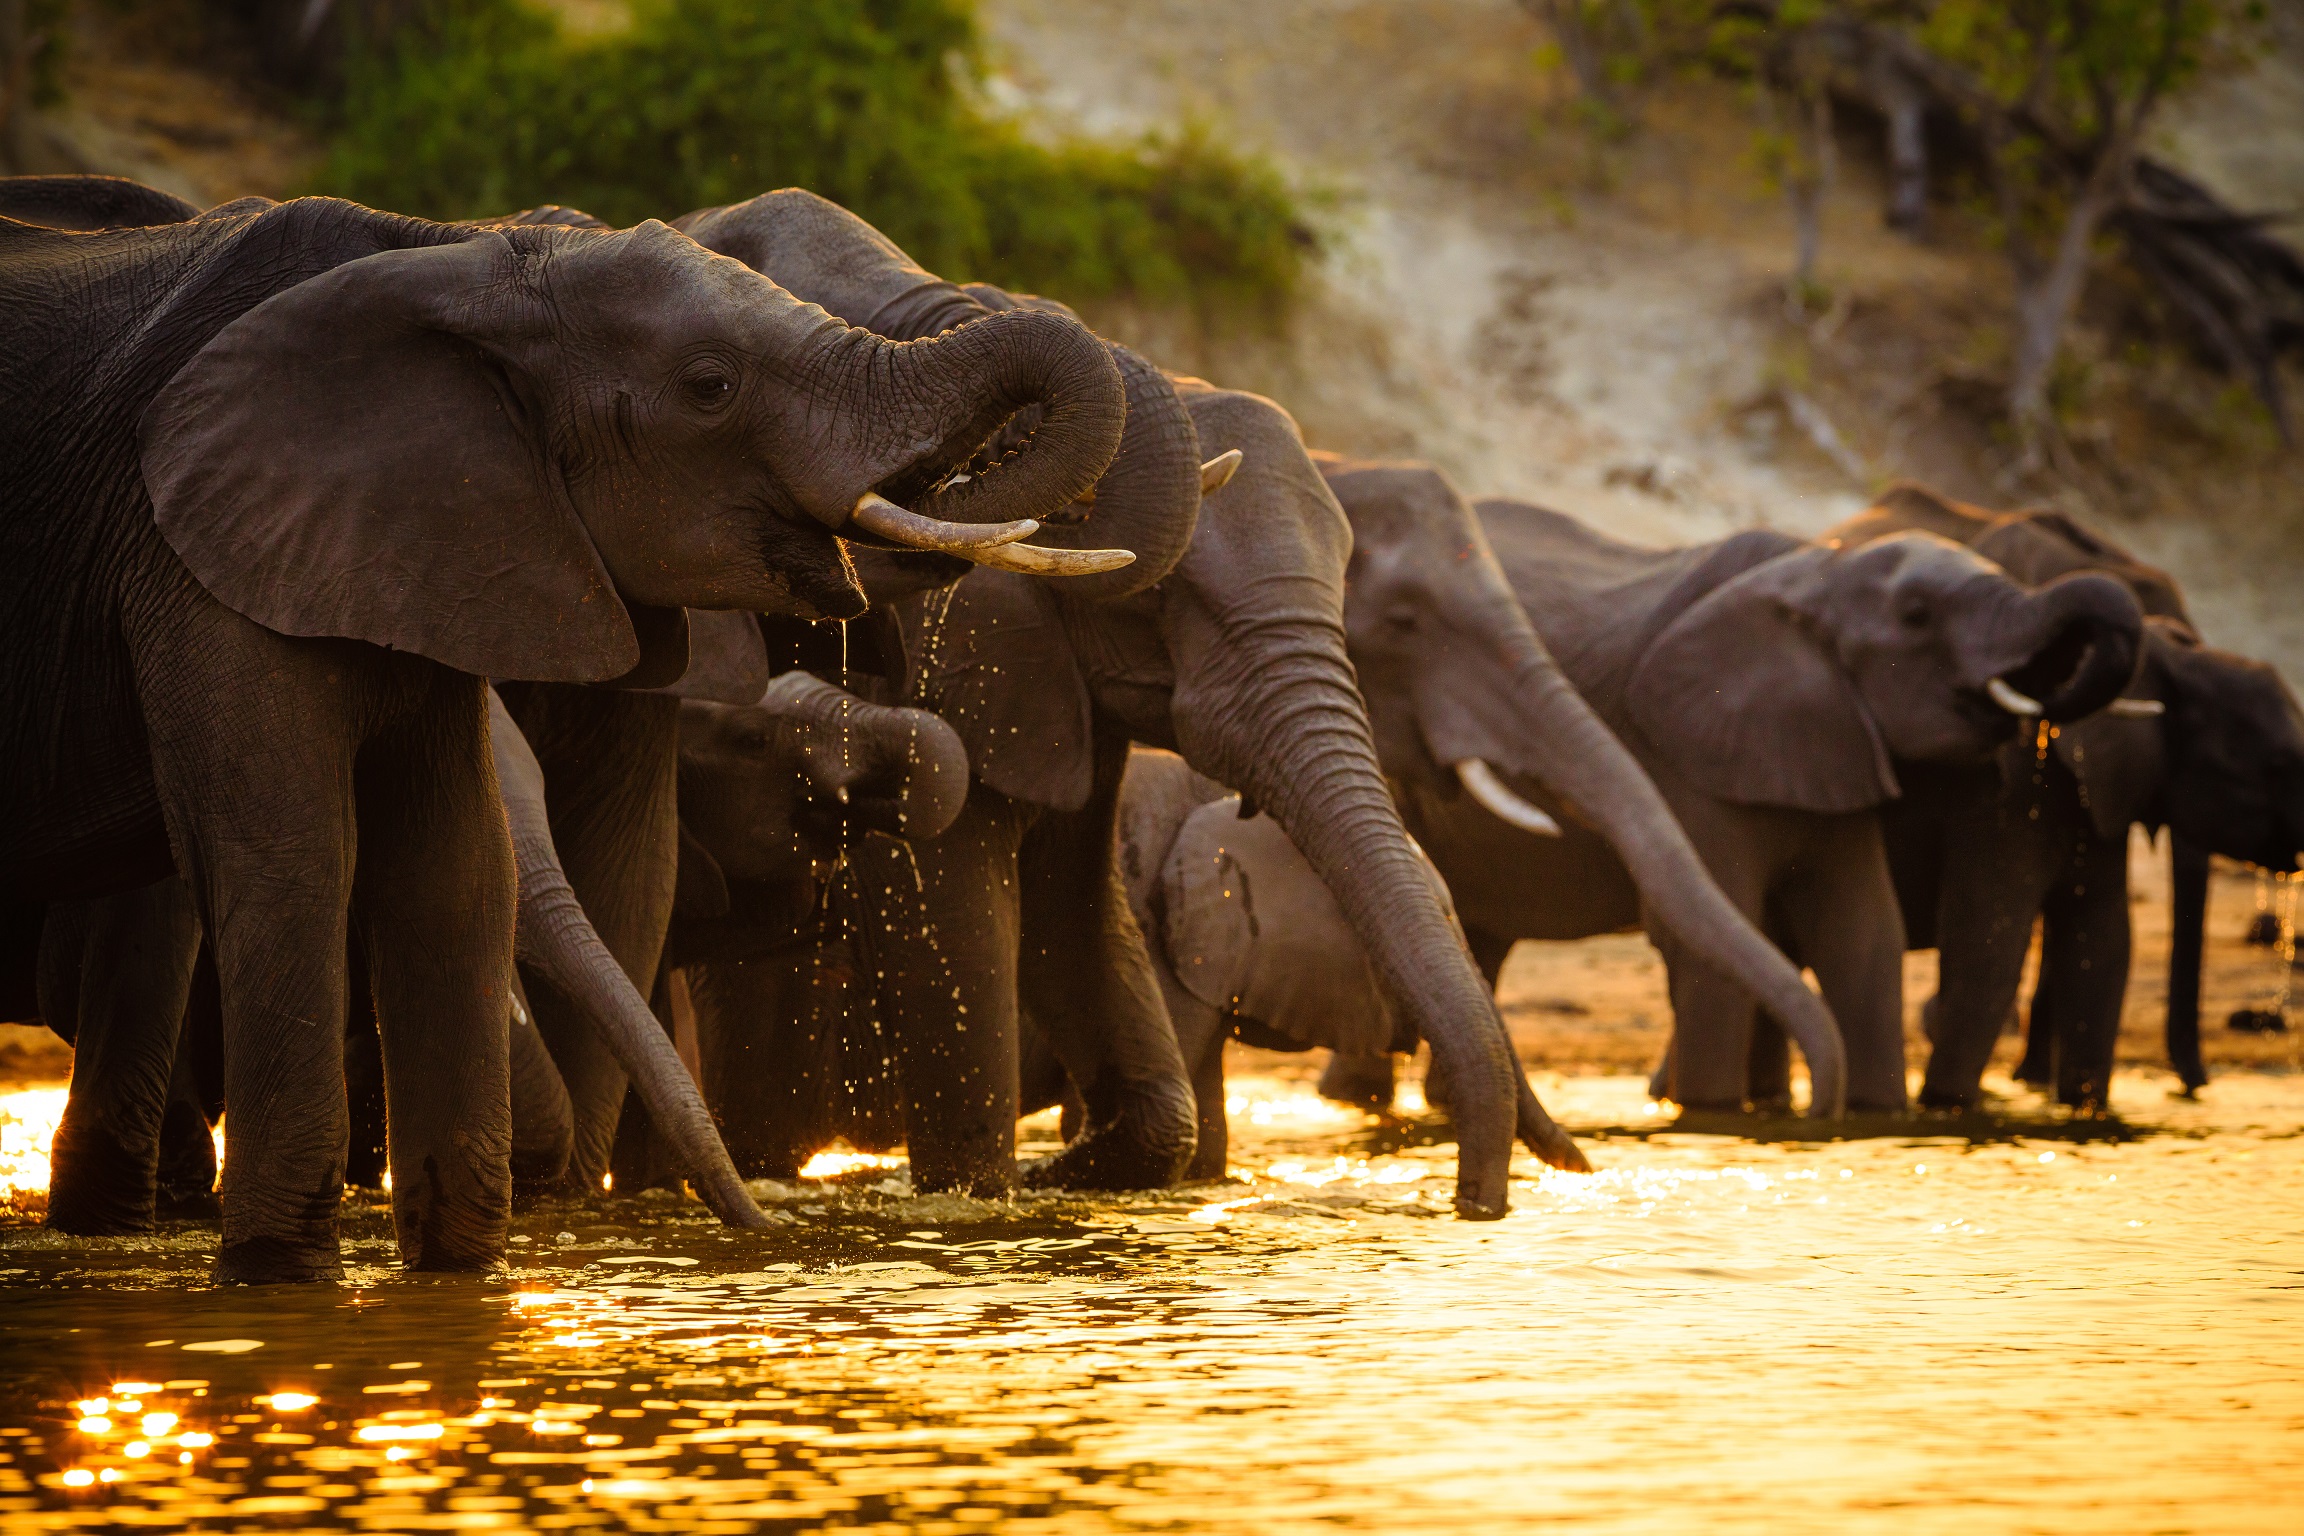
(2010, 700)
(1218, 471)
(2136, 709)
(878, 515)
(1489, 790)
(1038, 560)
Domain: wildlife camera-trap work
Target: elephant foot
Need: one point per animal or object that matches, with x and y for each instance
(84, 1218)
(980, 1184)
(100, 1196)
(1947, 1100)
(275, 1261)
(1110, 1158)
(1365, 1082)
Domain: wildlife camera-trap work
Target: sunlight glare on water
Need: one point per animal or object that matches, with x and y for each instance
(28, 1120)
(2039, 1331)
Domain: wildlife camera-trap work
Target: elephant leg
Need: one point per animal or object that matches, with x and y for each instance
(186, 1186)
(2188, 869)
(2084, 960)
(1211, 1152)
(543, 1125)
(434, 900)
(253, 741)
(1846, 927)
(2038, 1066)
(1996, 871)
(943, 927)
(129, 961)
(1364, 1082)
(1200, 1036)
(1712, 1017)
(769, 1032)
(365, 1158)
(610, 762)
(1086, 977)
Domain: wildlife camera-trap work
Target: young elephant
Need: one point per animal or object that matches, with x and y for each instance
(2206, 743)
(773, 800)
(1249, 941)
(286, 482)
(1764, 685)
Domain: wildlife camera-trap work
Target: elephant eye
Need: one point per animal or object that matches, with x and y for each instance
(708, 387)
(1915, 615)
(1400, 621)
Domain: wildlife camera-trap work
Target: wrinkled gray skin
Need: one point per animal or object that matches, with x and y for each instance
(117, 974)
(772, 799)
(311, 463)
(1980, 854)
(1764, 684)
(1044, 792)
(1453, 672)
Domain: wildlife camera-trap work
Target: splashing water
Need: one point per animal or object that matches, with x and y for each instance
(2054, 1324)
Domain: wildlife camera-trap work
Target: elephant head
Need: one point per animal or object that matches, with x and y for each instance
(1144, 502)
(771, 793)
(1906, 647)
(520, 450)
(2207, 743)
(1461, 689)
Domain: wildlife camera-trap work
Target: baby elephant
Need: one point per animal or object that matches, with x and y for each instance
(772, 797)
(1246, 938)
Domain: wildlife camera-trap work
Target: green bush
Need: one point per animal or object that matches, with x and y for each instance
(492, 108)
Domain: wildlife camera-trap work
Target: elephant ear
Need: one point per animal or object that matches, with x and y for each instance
(1745, 702)
(997, 664)
(353, 457)
(700, 888)
(726, 661)
(1252, 929)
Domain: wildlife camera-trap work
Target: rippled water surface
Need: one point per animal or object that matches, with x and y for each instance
(2032, 1330)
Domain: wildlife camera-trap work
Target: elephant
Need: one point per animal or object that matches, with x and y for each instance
(773, 801)
(2206, 743)
(89, 202)
(1763, 684)
(308, 462)
(1236, 658)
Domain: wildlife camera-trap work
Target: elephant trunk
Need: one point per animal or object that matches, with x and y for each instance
(2082, 637)
(949, 394)
(899, 771)
(1287, 727)
(555, 937)
(1579, 758)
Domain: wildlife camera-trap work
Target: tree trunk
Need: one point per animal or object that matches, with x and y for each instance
(2046, 299)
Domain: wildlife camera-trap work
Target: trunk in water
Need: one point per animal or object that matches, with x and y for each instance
(1580, 759)
(1310, 765)
(557, 938)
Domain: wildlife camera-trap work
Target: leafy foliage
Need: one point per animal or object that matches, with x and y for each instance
(868, 102)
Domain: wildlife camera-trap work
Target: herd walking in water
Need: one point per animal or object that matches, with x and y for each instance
(424, 747)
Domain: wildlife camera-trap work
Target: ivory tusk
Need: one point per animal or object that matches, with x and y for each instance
(1218, 471)
(2136, 709)
(1489, 790)
(2010, 700)
(1037, 560)
(877, 515)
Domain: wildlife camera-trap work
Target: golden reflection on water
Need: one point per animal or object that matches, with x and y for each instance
(1913, 1331)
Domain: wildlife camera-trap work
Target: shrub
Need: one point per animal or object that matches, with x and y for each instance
(493, 107)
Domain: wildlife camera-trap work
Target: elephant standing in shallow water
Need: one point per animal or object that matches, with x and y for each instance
(1764, 684)
(2206, 743)
(312, 463)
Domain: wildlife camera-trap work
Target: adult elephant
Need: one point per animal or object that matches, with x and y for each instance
(2207, 743)
(119, 972)
(311, 463)
(1764, 685)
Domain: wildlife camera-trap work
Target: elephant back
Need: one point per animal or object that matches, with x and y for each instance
(1599, 603)
(1251, 929)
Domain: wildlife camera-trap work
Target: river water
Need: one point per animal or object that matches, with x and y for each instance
(2028, 1326)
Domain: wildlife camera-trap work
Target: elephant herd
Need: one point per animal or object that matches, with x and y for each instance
(496, 708)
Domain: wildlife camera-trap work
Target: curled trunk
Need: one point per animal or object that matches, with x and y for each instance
(2091, 637)
(556, 938)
